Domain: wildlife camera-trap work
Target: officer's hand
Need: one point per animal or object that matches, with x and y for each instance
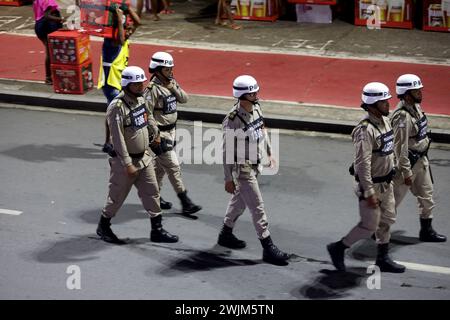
(132, 170)
(272, 162)
(373, 202)
(408, 181)
(157, 140)
(170, 85)
(230, 187)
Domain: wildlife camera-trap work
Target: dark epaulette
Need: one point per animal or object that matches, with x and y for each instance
(232, 114)
(364, 123)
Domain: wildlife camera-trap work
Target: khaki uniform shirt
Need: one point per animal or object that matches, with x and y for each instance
(163, 101)
(132, 128)
(244, 136)
(410, 129)
(374, 155)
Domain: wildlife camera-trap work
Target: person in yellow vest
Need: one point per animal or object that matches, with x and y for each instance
(114, 60)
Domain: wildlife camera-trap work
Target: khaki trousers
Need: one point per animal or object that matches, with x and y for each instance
(421, 188)
(377, 220)
(120, 185)
(248, 195)
(167, 162)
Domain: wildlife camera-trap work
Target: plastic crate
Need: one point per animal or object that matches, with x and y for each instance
(97, 16)
(72, 79)
(68, 47)
(258, 10)
(436, 15)
(393, 13)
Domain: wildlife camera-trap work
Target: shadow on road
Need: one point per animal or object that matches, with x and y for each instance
(196, 261)
(367, 249)
(48, 152)
(75, 249)
(332, 284)
(129, 212)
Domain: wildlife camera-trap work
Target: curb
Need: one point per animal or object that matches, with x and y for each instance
(195, 114)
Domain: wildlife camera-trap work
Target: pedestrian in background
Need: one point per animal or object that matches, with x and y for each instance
(114, 59)
(47, 20)
(224, 11)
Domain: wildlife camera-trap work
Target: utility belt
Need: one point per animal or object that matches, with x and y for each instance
(136, 156)
(414, 156)
(167, 127)
(387, 178)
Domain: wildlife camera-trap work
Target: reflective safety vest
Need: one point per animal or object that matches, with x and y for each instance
(115, 68)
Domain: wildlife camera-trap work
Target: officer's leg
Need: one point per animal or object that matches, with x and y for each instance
(168, 163)
(367, 225)
(422, 188)
(387, 219)
(400, 189)
(235, 209)
(252, 197)
(388, 215)
(370, 218)
(148, 192)
(171, 165)
(119, 187)
(159, 170)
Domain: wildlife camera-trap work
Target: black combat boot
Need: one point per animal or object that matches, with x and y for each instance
(105, 233)
(272, 254)
(337, 251)
(158, 234)
(188, 206)
(427, 233)
(165, 205)
(228, 239)
(385, 263)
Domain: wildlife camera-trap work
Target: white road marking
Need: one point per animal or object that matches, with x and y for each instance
(11, 212)
(425, 267)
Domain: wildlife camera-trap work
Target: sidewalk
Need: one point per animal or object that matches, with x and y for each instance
(316, 91)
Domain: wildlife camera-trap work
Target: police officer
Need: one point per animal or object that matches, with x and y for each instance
(244, 136)
(163, 93)
(373, 168)
(132, 129)
(411, 150)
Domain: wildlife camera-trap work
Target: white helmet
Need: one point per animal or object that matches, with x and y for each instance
(375, 91)
(408, 82)
(244, 84)
(131, 75)
(161, 59)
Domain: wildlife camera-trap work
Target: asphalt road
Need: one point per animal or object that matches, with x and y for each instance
(54, 175)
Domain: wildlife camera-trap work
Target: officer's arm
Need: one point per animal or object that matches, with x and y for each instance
(402, 126)
(152, 126)
(268, 143)
(175, 88)
(115, 122)
(363, 142)
(228, 148)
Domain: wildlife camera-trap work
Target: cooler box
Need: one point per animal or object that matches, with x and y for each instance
(68, 47)
(96, 16)
(314, 13)
(72, 79)
(15, 3)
